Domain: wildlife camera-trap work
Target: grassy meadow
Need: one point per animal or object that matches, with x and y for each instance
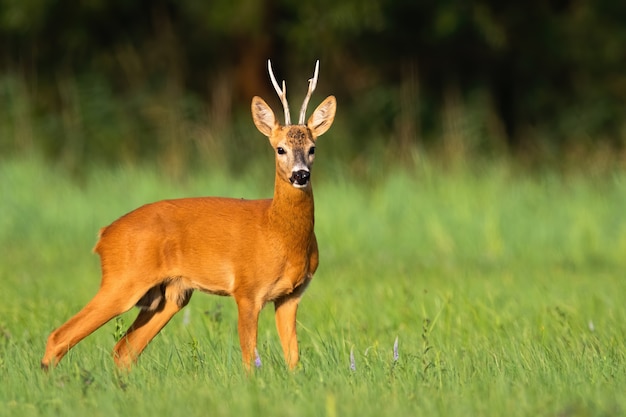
(504, 290)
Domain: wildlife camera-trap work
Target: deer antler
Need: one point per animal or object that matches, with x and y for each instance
(312, 85)
(282, 94)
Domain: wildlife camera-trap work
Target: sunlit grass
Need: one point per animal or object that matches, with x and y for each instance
(503, 290)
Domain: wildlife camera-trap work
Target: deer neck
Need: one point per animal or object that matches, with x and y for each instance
(292, 212)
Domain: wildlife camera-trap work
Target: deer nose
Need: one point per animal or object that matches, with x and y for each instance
(300, 177)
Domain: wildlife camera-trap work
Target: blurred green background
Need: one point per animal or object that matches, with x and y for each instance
(470, 200)
(97, 81)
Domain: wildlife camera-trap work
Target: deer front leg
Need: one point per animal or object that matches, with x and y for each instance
(247, 328)
(286, 310)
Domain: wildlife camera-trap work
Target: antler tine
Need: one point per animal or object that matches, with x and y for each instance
(282, 94)
(312, 85)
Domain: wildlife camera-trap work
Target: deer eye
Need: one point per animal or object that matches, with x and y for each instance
(312, 150)
(281, 150)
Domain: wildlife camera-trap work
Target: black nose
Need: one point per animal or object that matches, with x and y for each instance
(300, 177)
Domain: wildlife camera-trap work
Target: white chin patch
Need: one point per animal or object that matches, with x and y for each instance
(296, 185)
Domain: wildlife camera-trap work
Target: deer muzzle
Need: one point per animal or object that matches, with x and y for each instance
(300, 178)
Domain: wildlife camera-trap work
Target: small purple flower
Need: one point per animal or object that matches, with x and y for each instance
(257, 359)
(352, 363)
(186, 317)
(396, 356)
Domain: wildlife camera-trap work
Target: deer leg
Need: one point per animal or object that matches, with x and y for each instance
(247, 327)
(147, 325)
(105, 305)
(286, 309)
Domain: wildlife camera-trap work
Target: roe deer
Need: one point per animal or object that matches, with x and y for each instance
(254, 250)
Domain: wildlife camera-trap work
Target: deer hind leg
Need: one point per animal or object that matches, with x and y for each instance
(155, 314)
(109, 302)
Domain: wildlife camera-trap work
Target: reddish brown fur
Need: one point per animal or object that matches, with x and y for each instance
(254, 250)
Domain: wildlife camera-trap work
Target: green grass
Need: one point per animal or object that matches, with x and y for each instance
(505, 292)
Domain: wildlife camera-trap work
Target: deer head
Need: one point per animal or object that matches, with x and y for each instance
(294, 144)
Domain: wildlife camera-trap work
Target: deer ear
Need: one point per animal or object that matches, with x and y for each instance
(323, 116)
(263, 116)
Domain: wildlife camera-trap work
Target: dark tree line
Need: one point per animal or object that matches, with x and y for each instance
(480, 75)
